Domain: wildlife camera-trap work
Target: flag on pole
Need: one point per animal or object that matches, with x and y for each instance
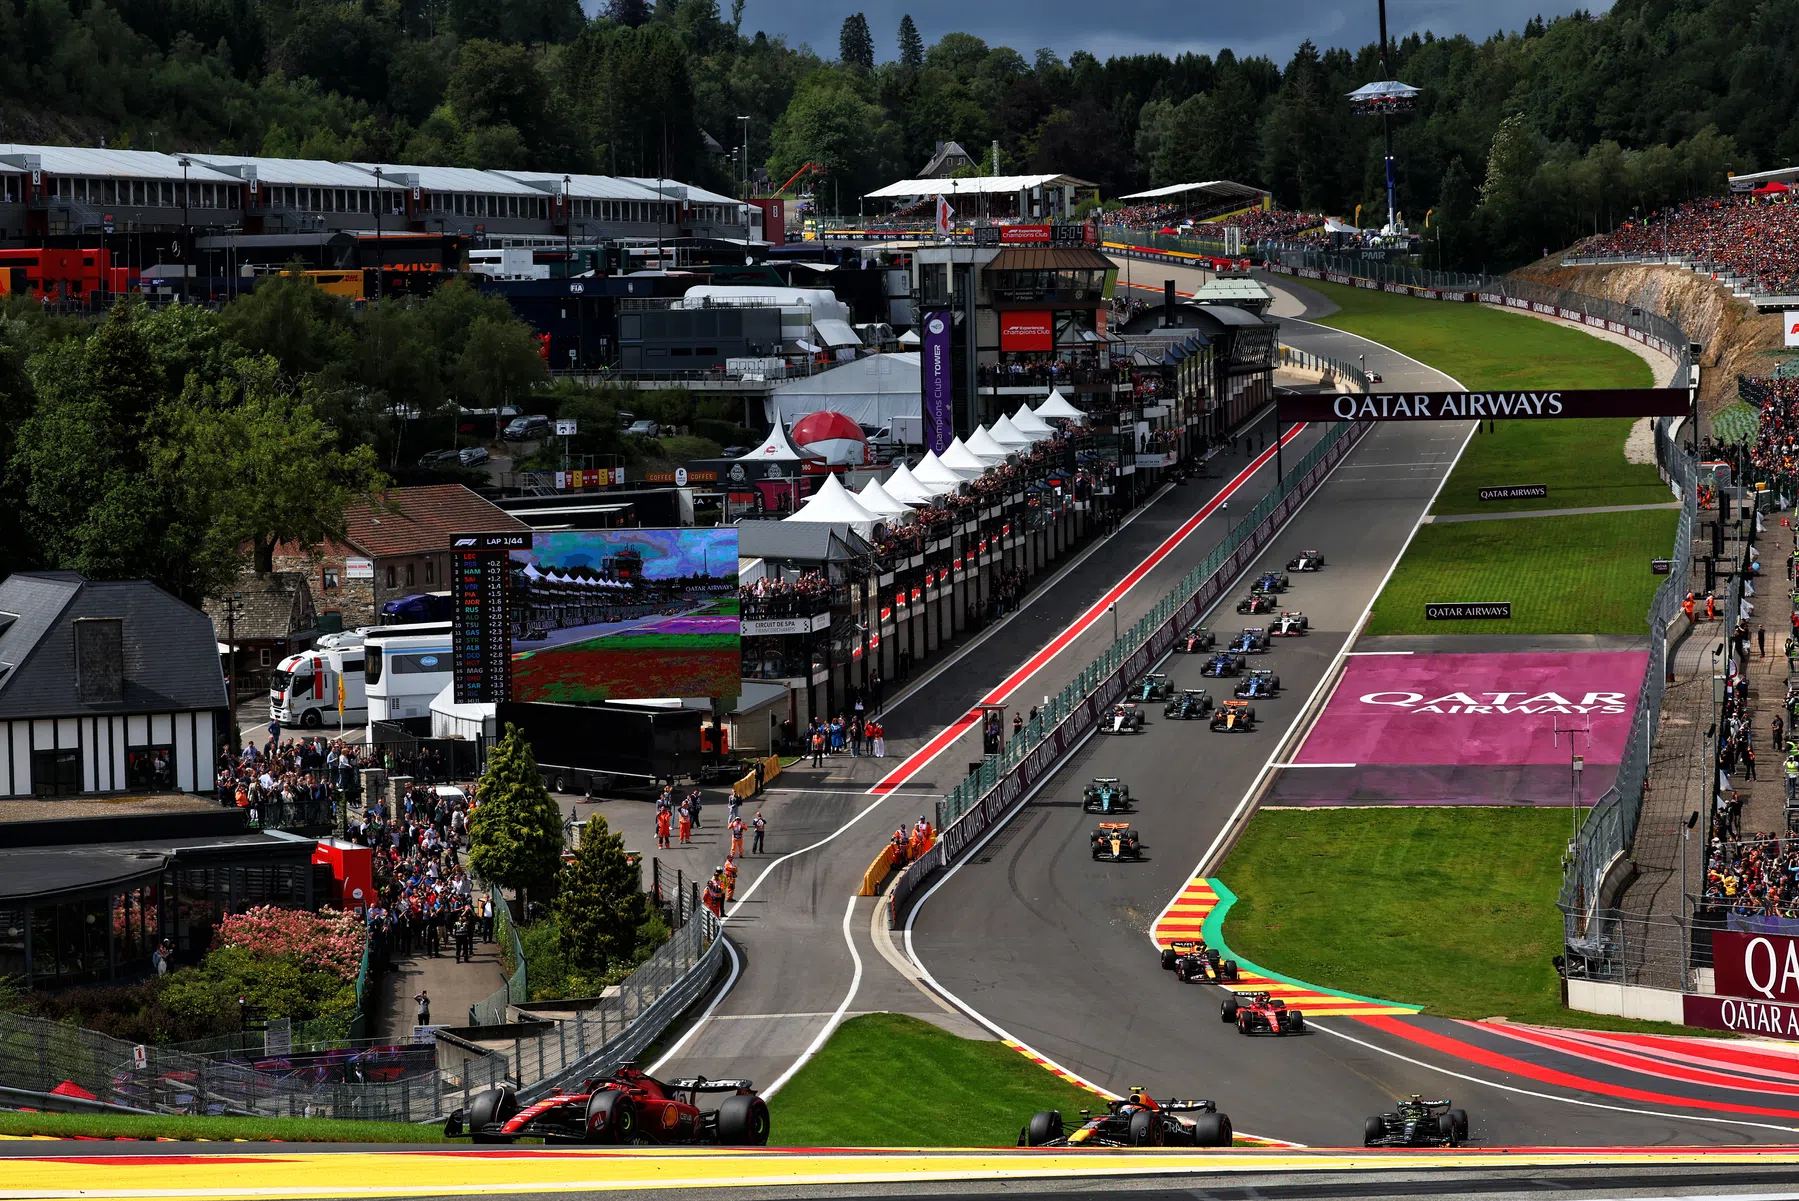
(944, 213)
(340, 697)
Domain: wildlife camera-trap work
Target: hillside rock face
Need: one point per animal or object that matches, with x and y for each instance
(1737, 339)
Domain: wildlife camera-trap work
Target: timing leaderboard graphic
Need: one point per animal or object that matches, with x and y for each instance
(592, 615)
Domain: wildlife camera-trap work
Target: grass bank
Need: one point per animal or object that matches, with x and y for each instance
(224, 1130)
(1564, 575)
(1452, 909)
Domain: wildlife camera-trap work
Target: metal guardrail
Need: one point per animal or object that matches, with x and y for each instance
(492, 1010)
(1346, 373)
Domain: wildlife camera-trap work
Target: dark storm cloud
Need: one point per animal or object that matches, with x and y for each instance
(1142, 27)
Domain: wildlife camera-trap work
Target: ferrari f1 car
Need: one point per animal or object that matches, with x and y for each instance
(1106, 795)
(1195, 640)
(1416, 1122)
(1260, 1013)
(1155, 687)
(1306, 560)
(1271, 581)
(1125, 718)
(1256, 602)
(1197, 961)
(1290, 624)
(1252, 641)
(1189, 704)
(628, 1106)
(1116, 841)
(1234, 716)
(1224, 664)
(1261, 684)
(1136, 1121)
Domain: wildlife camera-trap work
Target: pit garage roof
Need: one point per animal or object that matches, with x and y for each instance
(120, 164)
(583, 187)
(975, 186)
(453, 179)
(306, 172)
(1212, 189)
(674, 189)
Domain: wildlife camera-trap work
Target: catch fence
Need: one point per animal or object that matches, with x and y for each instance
(491, 1011)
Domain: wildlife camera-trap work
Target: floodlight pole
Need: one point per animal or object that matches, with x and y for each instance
(1386, 122)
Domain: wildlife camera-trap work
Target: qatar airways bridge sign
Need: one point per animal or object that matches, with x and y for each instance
(1457, 406)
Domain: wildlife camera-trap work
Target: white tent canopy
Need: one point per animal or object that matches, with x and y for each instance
(910, 338)
(870, 391)
(987, 446)
(1057, 406)
(777, 448)
(1027, 422)
(957, 457)
(835, 503)
(902, 486)
(934, 475)
(874, 498)
(1007, 434)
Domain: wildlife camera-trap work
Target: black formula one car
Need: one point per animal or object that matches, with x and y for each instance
(1188, 704)
(1259, 685)
(627, 1107)
(1136, 1121)
(1224, 664)
(1271, 581)
(1416, 1122)
(1290, 624)
(1252, 641)
(1261, 1013)
(1116, 841)
(1106, 795)
(1195, 640)
(1306, 560)
(1256, 602)
(1197, 961)
(1154, 687)
(1125, 718)
(1234, 717)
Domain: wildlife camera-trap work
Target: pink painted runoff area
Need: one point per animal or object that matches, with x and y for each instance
(1477, 709)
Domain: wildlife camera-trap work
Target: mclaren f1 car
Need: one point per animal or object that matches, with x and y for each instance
(1235, 717)
(1116, 841)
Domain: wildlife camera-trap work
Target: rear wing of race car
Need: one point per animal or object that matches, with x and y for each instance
(1255, 998)
(1114, 825)
(1190, 1106)
(1105, 779)
(1181, 944)
(699, 1084)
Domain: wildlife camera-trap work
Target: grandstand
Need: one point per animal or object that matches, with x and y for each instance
(1206, 201)
(1749, 240)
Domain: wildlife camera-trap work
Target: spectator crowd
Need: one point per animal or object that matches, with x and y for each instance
(1755, 237)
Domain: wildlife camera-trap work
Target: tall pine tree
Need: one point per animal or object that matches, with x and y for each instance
(601, 904)
(855, 44)
(515, 836)
(911, 46)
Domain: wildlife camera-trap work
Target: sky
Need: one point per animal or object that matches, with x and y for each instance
(1147, 26)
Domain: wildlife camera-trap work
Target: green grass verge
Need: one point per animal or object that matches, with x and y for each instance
(255, 1130)
(1582, 462)
(1452, 908)
(885, 1079)
(1563, 575)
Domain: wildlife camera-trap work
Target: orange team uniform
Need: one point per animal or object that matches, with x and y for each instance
(686, 826)
(1686, 606)
(736, 837)
(662, 829)
(730, 880)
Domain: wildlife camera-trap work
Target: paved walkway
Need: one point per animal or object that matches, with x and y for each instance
(452, 986)
(1444, 518)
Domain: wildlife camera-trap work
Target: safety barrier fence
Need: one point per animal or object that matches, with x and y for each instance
(491, 1011)
(590, 1038)
(981, 800)
(1347, 374)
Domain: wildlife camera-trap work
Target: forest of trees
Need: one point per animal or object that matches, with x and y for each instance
(1524, 140)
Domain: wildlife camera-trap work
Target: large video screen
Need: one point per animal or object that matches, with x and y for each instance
(597, 615)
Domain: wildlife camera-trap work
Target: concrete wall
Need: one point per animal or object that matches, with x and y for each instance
(1627, 1000)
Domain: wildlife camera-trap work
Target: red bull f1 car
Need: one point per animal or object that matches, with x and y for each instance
(1290, 624)
(1306, 560)
(1194, 641)
(1124, 718)
(1235, 717)
(627, 1107)
(1416, 1122)
(1197, 961)
(1256, 602)
(1116, 841)
(1137, 1121)
(1261, 1013)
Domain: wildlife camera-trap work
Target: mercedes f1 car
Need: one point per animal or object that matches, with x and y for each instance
(1416, 1122)
(1195, 640)
(1106, 795)
(1271, 581)
(1136, 1121)
(1256, 602)
(1224, 664)
(1290, 624)
(1125, 718)
(1155, 687)
(1234, 716)
(1259, 685)
(1252, 641)
(1306, 560)
(1197, 961)
(1189, 704)
(1261, 1013)
(1116, 841)
(628, 1106)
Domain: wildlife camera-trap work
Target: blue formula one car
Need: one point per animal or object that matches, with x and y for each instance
(1252, 641)
(1224, 663)
(1260, 684)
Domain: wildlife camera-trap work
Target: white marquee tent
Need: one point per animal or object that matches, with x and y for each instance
(902, 486)
(1057, 406)
(874, 498)
(1031, 425)
(835, 503)
(938, 478)
(1007, 434)
(957, 457)
(986, 446)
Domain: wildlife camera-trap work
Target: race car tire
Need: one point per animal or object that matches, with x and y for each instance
(1227, 1010)
(1212, 1130)
(1146, 1129)
(1230, 970)
(1169, 958)
(1043, 1126)
(1096, 854)
(1297, 1021)
(743, 1121)
(491, 1108)
(1180, 971)
(1446, 1129)
(1373, 1131)
(1461, 1122)
(611, 1118)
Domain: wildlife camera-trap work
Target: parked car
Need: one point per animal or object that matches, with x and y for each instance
(646, 429)
(438, 458)
(524, 429)
(472, 456)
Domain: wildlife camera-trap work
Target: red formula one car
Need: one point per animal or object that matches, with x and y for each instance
(1261, 1013)
(627, 1107)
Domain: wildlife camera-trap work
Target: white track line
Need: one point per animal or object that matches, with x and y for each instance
(830, 1027)
(675, 1048)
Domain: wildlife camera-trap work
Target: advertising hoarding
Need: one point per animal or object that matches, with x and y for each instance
(939, 393)
(1456, 406)
(1027, 329)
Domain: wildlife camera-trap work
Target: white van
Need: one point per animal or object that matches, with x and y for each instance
(408, 665)
(303, 689)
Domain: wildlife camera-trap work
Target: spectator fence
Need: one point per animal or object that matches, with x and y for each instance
(492, 1010)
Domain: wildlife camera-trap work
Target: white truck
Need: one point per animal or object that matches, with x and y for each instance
(303, 689)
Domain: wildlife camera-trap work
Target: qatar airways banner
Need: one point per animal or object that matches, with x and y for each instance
(1456, 406)
(1467, 729)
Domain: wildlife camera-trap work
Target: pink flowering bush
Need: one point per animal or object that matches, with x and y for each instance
(327, 941)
